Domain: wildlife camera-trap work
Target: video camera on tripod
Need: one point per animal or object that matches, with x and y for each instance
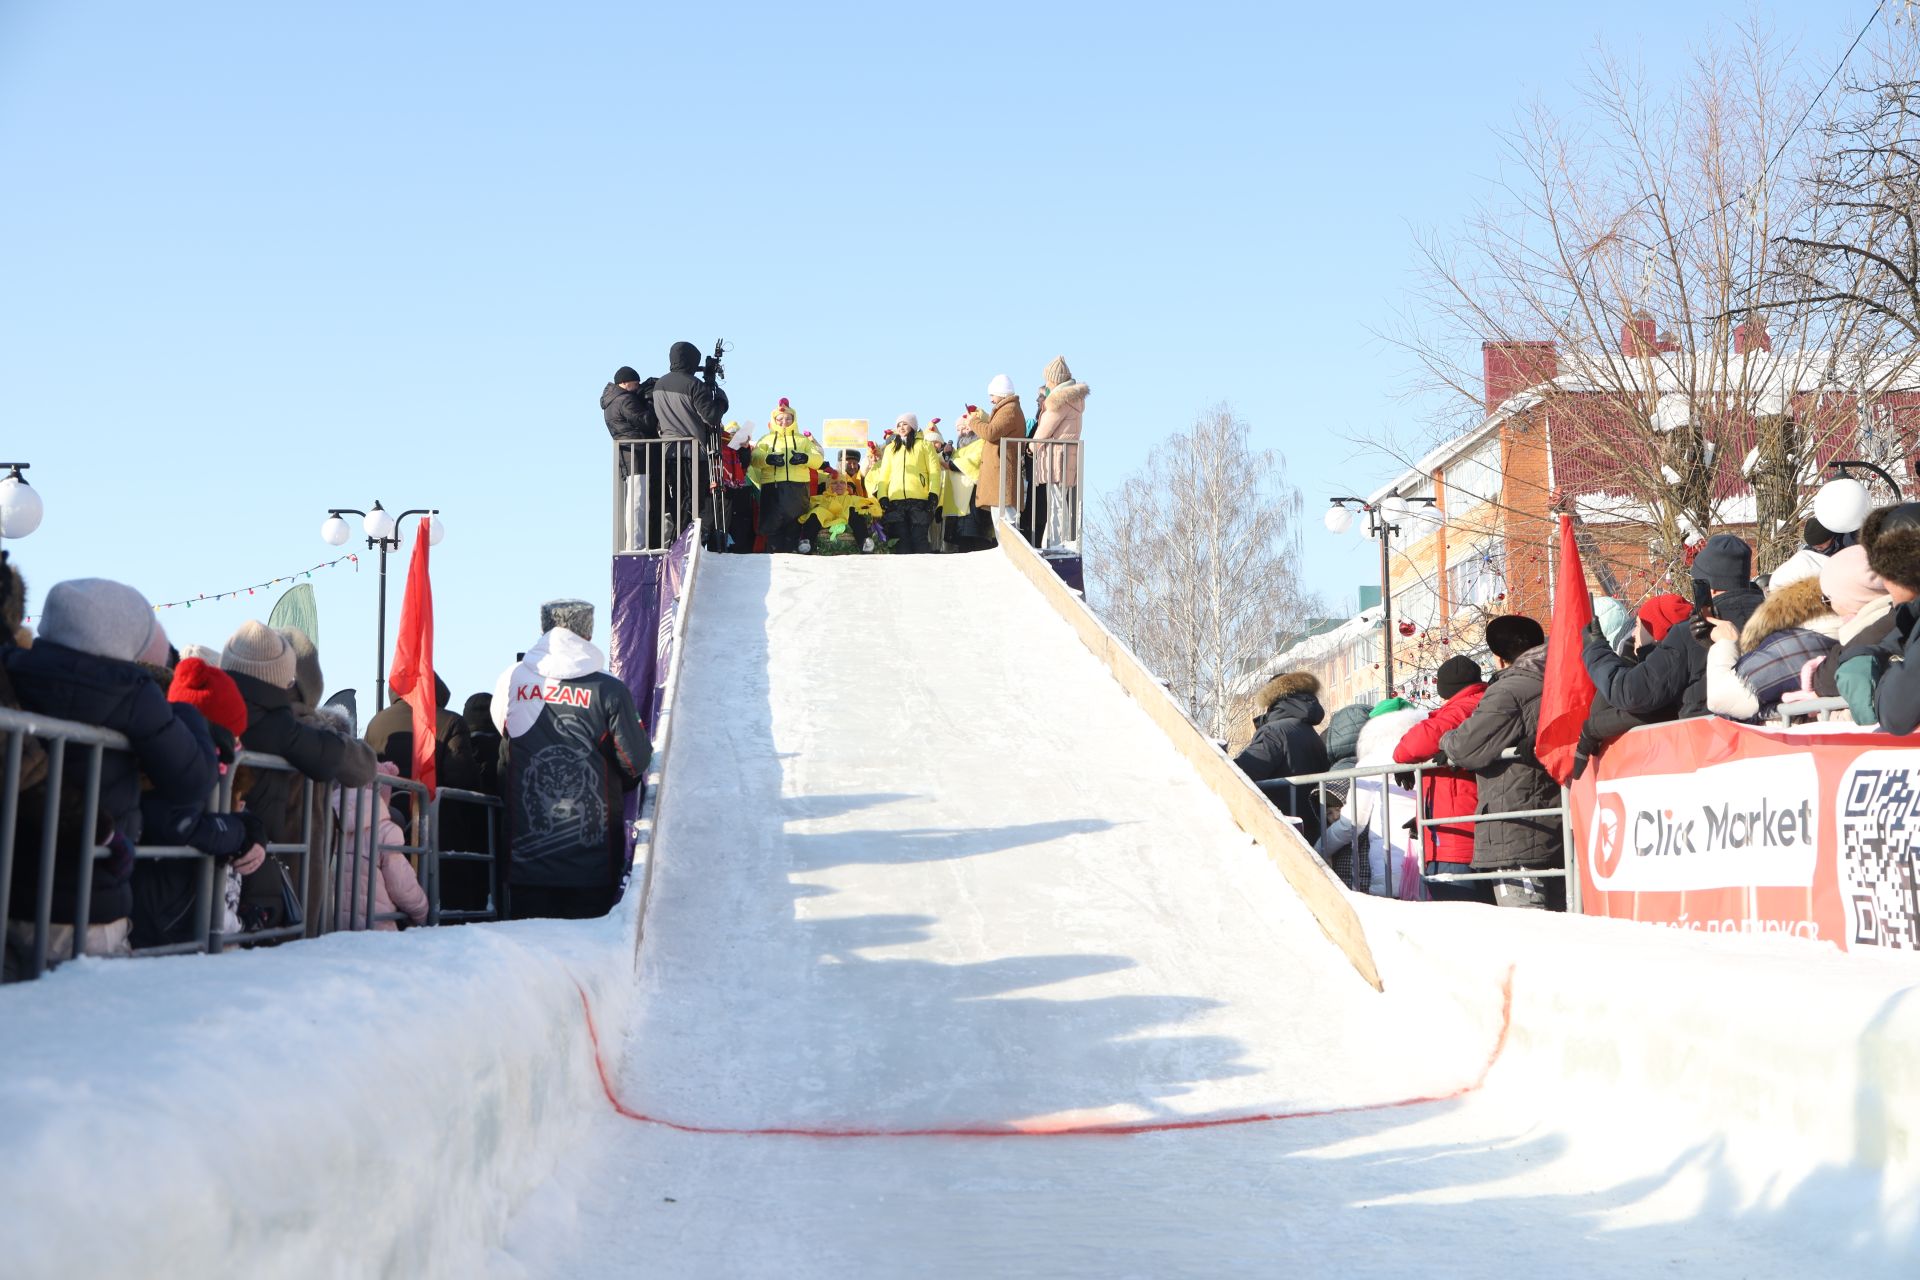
(712, 370)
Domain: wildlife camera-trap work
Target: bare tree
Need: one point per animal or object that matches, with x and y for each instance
(1858, 243)
(1194, 562)
(1637, 246)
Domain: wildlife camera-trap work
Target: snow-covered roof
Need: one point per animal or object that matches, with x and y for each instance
(1765, 379)
(1314, 648)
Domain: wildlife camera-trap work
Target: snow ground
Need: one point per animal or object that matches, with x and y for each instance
(923, 865)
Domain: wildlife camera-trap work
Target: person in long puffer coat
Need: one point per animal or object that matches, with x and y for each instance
(1750, 668)
(1447, 793)
(1509, 717)
(1284, 745)
(1056, 466)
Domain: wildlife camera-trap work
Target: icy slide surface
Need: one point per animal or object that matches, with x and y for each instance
(924, 865)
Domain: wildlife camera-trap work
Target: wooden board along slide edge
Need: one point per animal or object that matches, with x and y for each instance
(1251, 811)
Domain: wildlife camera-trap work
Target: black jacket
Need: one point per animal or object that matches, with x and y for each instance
(319, 751)
(454, 761)
(1509, 716)
(1284, 745)
(166, 890)
(627, 413)
(566, 781)
(1605, 722)
(53, 680)
(686, 406)
(1669, 681)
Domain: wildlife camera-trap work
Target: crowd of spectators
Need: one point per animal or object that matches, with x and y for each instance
(324, 837)
(1835, 620)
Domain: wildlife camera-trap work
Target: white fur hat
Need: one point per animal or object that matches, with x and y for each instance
(1000, 387)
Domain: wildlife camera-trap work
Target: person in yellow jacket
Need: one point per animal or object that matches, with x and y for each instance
(906, 480)
(840, 502)
(783, 465)
(973, 529)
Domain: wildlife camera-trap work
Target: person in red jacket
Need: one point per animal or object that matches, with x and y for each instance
(1447, 793)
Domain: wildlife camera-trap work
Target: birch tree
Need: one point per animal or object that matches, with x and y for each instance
(1195, 562)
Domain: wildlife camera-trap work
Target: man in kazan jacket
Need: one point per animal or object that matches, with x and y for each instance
(572, 747)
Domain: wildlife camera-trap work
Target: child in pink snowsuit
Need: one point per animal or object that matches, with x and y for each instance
(395, 887)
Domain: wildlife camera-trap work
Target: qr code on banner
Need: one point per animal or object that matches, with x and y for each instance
(1879, 818)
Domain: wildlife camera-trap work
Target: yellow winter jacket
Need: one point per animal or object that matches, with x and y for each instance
(967, 458)
(784, 442)
(905, 472)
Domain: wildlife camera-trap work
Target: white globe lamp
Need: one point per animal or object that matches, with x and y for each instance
(1395, 508)
(436, 528)
(1338, 519)
(1842, 504)
(20, 506)
(334, 531)
(379, 525)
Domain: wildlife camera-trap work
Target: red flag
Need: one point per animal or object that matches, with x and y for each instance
(412, 674)
(1568, 694)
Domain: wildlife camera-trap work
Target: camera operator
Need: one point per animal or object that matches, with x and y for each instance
(688, 404)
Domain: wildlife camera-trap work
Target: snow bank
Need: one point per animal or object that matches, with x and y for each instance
(1803, 1062)
(363, 1104)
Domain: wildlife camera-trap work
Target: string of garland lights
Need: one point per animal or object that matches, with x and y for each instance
(296, 575)
(210, 597)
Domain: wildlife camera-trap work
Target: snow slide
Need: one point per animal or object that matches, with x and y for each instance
(924, 874)
(953, 967)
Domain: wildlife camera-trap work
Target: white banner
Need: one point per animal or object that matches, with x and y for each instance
(1746, 822)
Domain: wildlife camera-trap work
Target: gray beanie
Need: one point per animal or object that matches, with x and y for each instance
(1725, 562)
(575, 615)
(106, 619)
(308, 683)
(259, 651)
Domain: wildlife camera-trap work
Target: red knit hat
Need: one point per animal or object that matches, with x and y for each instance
(211, 692)
(1660, 613)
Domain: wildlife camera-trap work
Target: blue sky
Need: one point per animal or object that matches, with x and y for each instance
(264, 259)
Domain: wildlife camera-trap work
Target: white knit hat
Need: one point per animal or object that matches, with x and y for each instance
(907, 421)
(1000, 387)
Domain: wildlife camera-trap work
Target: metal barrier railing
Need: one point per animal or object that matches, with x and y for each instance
(331, 866)
(1043, 479)
(1421, 823)
(1810, 709)
(659, 488)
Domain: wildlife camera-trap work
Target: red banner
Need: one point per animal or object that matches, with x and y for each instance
(1719, 827)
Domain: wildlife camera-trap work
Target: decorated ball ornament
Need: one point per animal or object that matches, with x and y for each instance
(1406, 628)
(1842, 504)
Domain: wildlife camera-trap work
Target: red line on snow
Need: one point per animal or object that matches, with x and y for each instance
(1064, 1131)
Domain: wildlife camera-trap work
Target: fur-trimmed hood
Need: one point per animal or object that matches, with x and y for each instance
(1285, 683)
(1797, 605)
(1068, 395)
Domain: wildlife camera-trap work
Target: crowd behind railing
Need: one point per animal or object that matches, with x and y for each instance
(1829, 634)
(678, 458)
(160, 803)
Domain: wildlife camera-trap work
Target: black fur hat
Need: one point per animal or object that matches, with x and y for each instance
(1512, 634)
(1891, 536)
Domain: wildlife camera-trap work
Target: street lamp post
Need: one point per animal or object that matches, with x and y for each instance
(1383, 522)
(20, 506)
(383, 533)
